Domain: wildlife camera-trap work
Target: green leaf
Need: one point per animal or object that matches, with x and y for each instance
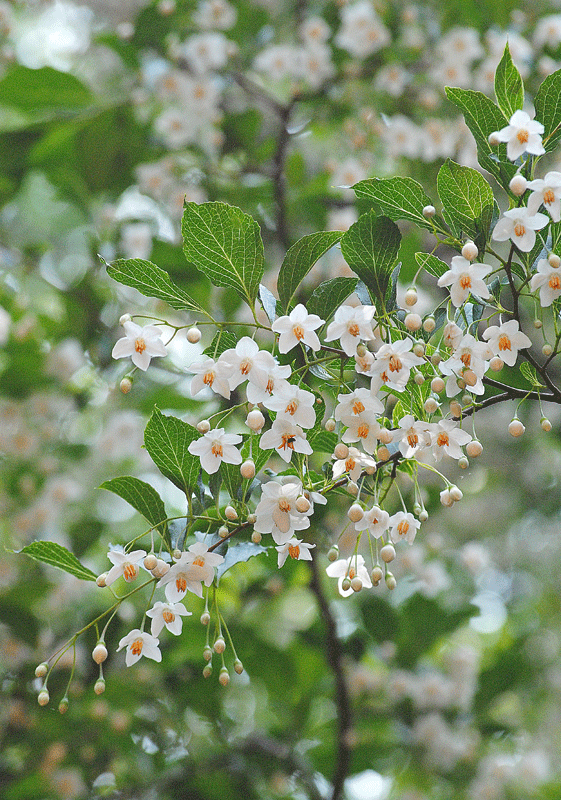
(32, 89)
(509, 88)
(329, 295)
(237, 553)
(431, 264)
(167, 439)
(323, 441)
(56, 555)
(483, 117)
(143, 498)
(530, 374)
(225, 244)
(548, 109)
(269, 303)
(370, 248)
(300, 259)
(223, 340)
(151, 281)
(468, 201)
(398, 198)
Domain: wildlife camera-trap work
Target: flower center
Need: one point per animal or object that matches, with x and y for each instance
(245, 366)
(181, 583)
(199, 561)
(465, 282)
(351, 573)
(353, 328)
(168, 616)
(395, 363)
(140, 345)
(284, 505)
(136, 647)
(294, 551)
(548, 197)
(130, 571)
(523, 136)
(270, 386)
(216, 449)
(358, 407)
(555, 282)
(287, 441)
(291, 408)
(465, 358)
(350, 464)
(363, 430)
(443, 439)
(403, 527)
(298, 331)
(208, 379)
(504, 342)
(413, 439)
(519, 229)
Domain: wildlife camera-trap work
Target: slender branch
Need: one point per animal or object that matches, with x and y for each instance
(342, 699)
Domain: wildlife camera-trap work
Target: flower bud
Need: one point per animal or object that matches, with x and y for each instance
(429, 211)
(205, 618)
(474, 448)
(330, 424)
(99, 686)
(455, 409)
(238, 666)
(437, 385)
(193, 335)
(361, 350)
(411, 297)
(429, 324)
(538, 324)
(100, 580)
(554, 260)
(494, 139)
(413, 322)
(355, 513)
(99, 653)
(207, 653)
(382, 453)
(391, 582)
(385, 436)
(387, 553)
(126, 385)
(470, 251)
(435, 359)
(456, 493)
(352, 488)
(41, 670)
(518, 185)
(150, 561)
(469, 377)
(203, 426)
(223, 531)
(247, 469)
(377, 574)
(230, 513)
(356, 584)
(545, 424)
(341, 450)
(547, 349)
(43, 697)
(255, 420)
(251, 519)
(124, 318)
(207, 671)
(333, 553)
(424, 515)
(219, 645)
(419, 349)
(224, 677)
(419, 378)
(516, 428)
(346, 584)
(496, 363)
(431, 405)
(446, 498)
(161, 568)
(463, 462)
(256, 537)
(302, 504)
(63, 705)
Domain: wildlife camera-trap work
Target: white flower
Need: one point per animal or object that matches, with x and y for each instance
(353, 567)
(285, 437)
(452, 334)
(375, 521)
(522, 135)
(295, 548)
(298, 326)
(271, 381)
(354, 464)
(403, 526)
(548, 280)
(168, 614)
(294, 404)
(276, 511)
(246, 361)
(412, 436)
(447, 438)
(393, 364)
(506, 340)
(125, 564)
(546, 191)
(351, 406)
(139, 644)
(214, 447)
(364, 428)
(520, 226)
(141, 344)
(194, 568)
(465, 278)
(350, 325)
(210, 373)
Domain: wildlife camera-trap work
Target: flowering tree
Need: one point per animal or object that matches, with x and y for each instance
(319, 413)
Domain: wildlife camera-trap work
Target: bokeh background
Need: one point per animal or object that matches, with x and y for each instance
(110, 115)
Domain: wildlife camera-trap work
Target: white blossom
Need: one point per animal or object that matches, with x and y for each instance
(350, 325)
(125, 564)
(214, 447)
(295, 548)
(168, 615)
(138, 644)
(403, 525)
(285, 437)
(140, 343)
(547, 192)
(195, 567)
(522, 135)
(548, 280)
(506, 340)
(465, 278)
(520, 226)
(298, 326)
(276, 511)
(294, 404)
(353, 567)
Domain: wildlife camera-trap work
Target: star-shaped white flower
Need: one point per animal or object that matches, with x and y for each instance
(520, 226)
(412, 435)
(350, 325)
(195, 567)
(465, 278)
(506, 340)
(298, 326)
(210, 373)
(522, 135)
(285, 437)
(349, 568)
(140, 343)
(393, 364)
(547, 192)
(295, 548)
(276, 511)
(125, 564)
(214, 447)
(354, 464)
(447, 438)
(138, 644)
(168, 614)
(548, 280)
(375, 520)
(294, 404)
(403, 526)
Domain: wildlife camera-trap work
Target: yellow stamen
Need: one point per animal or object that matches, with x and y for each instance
(294, 551)
(136, 647)
(140, 345)
(504, 342)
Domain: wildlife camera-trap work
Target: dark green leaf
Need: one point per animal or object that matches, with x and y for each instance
(323, 441)
(370, 247)
(300, 259)
(391, 294)
(329, 295)
(167, 440)
(56, 555)
(509, 88)
(225, 244)
(223, 340)
(398, 198)
(432, 264)
(468, 201)
(548, 109)
(142, 497)
(151, 281)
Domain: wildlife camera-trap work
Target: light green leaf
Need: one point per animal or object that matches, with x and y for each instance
(509, 88)
(530, 374)
(224, 244)
(398, 198)
(548, 109)
(432, 264)
(300, 259)
(33, 89)
(329, 295)
(483, 117)
(323, 441)
(468, 201)
(151, 281)
(167, 439)
(56, 555)
(236, 553)
(143, 498)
